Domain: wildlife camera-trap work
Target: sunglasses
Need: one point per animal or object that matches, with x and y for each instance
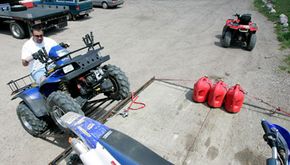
(38, 36)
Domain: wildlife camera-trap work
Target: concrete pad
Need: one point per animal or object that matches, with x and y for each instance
(185, 132)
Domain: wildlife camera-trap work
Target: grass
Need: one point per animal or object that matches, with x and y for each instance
(281, 6)
(286, 67)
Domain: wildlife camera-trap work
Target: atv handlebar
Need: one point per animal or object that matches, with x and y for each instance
(237, 15)
(41, 55)
(88, 40)
(64, 45)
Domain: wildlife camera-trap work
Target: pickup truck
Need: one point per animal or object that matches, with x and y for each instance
(22, 18)
(77, 8)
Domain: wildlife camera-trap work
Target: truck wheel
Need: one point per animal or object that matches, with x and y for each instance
(252, 42)
(227, 39)
(72, 17)
(104, 5)
(17, 30)
(60, 103)
(120, 81)
(33, 125)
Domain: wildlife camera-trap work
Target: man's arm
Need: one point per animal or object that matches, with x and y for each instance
(26, 56)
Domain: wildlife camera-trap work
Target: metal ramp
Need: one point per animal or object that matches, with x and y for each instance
(185, 132)
(100, 110)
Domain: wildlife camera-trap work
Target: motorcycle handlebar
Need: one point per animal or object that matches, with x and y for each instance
(265, 127)
(269, 136)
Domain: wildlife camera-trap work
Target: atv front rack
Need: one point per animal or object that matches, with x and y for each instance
(21, 84)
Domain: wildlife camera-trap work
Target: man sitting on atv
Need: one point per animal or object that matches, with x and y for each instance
(35, 43)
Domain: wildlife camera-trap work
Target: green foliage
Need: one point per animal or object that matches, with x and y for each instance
(281, 6)
(283, 35)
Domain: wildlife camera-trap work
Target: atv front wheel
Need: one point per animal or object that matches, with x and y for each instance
(60, 103)
(227, 39)
(32, 124)
(120, 82)
(224, 32)
(252, 42)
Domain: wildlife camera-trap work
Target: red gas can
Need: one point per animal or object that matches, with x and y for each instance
(217, 94)
(234, 99)
(201, 89)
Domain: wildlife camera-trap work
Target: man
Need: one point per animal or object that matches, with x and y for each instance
(35, 43)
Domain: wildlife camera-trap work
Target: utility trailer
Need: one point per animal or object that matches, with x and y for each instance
(186, 132)
(21, 19)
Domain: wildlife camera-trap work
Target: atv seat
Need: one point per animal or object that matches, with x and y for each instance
(245, 19)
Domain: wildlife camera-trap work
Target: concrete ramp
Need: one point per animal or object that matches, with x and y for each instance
(185, 132)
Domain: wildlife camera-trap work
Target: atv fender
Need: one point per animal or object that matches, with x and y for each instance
(34, 100)
(50, 84)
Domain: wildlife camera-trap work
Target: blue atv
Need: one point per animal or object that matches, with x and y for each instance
(70, 82)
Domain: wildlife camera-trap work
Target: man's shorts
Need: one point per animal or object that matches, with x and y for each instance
(38, 75)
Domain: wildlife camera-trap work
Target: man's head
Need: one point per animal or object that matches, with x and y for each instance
(37, 34)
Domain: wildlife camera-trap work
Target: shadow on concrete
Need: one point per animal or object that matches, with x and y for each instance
(54, 31)
(110, 8)
(5, 29)
(218, 36)
(56, 137)
(267, 111)
(188, 95)
(81, 19)
(234, 45)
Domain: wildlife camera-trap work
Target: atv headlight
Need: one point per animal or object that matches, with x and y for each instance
(68, 68)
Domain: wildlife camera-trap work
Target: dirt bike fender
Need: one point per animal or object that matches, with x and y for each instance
(34, 100)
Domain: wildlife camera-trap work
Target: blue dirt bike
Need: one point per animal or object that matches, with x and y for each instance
(278, 138)
(98, 144)
(70, 82)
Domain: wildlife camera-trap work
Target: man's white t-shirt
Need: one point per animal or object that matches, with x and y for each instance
(31, 47)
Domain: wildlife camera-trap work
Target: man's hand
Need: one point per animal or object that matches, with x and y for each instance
(25, 63)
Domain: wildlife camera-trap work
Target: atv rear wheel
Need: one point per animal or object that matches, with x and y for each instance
(60, 103)
(32, 124)
(227, 39)
(252, 42)
(120, 82)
